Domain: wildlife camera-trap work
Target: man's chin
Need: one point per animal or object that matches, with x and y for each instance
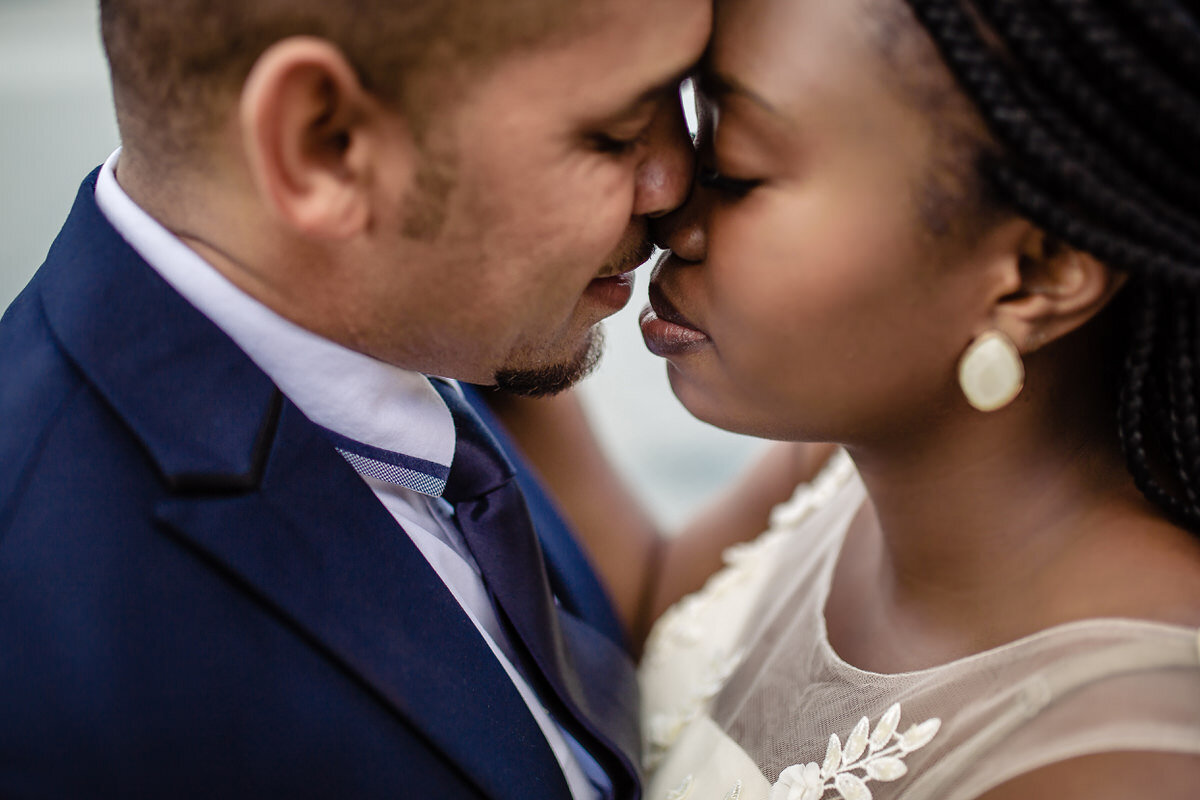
(544, 380)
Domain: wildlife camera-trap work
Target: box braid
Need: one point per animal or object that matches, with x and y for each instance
(1095, 109)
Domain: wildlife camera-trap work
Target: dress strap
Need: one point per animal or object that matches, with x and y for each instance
(1042, 690)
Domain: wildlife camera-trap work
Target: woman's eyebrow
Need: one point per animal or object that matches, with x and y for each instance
(716, 85)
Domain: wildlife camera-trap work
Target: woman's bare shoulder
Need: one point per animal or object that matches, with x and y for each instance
(1108, 776)
(1150, 569)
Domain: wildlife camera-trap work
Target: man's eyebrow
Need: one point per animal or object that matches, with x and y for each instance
(656, 93)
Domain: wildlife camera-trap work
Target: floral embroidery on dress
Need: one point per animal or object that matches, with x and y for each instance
(878, 755)
(682, 625)
(682, 630)
(664, 728)
(809, 497)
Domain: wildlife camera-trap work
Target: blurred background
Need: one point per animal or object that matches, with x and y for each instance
(56, 125)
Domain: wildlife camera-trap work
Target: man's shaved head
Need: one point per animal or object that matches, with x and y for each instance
(458, 187)
(178, 65)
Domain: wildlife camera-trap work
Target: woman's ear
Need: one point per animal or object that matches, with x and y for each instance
(307, 128)
(1057, 290)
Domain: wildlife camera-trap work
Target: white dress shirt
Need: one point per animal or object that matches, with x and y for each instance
(362, 399)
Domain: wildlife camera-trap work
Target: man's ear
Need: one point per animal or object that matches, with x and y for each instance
(1052, 290)
(308, 128)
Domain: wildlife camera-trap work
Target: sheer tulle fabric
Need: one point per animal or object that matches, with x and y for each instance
(744, 697)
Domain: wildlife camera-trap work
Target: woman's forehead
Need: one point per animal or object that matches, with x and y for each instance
(789, 55)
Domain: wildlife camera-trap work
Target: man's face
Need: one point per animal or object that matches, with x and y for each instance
(532, 201)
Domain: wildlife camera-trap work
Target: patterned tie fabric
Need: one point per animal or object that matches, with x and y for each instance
(398, 469)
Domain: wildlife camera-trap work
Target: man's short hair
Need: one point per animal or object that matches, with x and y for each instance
(177, 65)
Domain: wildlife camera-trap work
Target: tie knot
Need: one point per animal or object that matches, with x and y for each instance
(479, 463)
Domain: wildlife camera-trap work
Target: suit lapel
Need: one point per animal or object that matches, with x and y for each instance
(606, 691)
(255, 487)
(317, 547)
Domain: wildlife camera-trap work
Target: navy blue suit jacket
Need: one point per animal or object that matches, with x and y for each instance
(200, 598)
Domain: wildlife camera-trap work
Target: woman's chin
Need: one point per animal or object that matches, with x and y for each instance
(731, 410)
(711, 405)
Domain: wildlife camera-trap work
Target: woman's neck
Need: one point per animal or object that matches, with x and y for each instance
(982, 510)
(996, 527)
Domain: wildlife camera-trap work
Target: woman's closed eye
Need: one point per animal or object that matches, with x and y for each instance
(711, 178)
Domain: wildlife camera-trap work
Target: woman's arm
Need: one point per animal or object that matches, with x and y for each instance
(643, 570)
(741, 512)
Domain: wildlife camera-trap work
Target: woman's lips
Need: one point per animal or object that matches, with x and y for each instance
(666, 331)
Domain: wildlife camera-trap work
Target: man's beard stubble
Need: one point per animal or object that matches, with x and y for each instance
(551, 379)
(547, 380)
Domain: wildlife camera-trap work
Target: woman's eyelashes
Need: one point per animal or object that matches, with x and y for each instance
(711, 178)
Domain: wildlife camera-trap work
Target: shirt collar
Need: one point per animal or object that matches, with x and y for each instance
(358, 398)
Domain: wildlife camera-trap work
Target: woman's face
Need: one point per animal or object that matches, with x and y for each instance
(815, 302)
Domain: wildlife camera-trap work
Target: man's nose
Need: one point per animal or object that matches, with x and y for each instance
(684, 231)
(664, 174)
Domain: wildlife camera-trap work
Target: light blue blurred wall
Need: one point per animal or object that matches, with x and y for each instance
(56, 124)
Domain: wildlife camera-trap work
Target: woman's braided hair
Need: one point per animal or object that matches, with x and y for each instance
(1095, 106)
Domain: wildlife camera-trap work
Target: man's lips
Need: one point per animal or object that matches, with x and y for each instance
(615, 289)
(668, 332)
(637, 256)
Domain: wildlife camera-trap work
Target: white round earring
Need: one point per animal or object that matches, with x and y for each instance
(991, 372)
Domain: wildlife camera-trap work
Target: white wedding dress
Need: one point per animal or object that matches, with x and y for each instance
(744, 699)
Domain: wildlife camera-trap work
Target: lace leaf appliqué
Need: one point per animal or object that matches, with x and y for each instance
(683, 790)
(866, 756)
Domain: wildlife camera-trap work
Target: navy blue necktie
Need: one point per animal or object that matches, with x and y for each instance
(495, 522)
